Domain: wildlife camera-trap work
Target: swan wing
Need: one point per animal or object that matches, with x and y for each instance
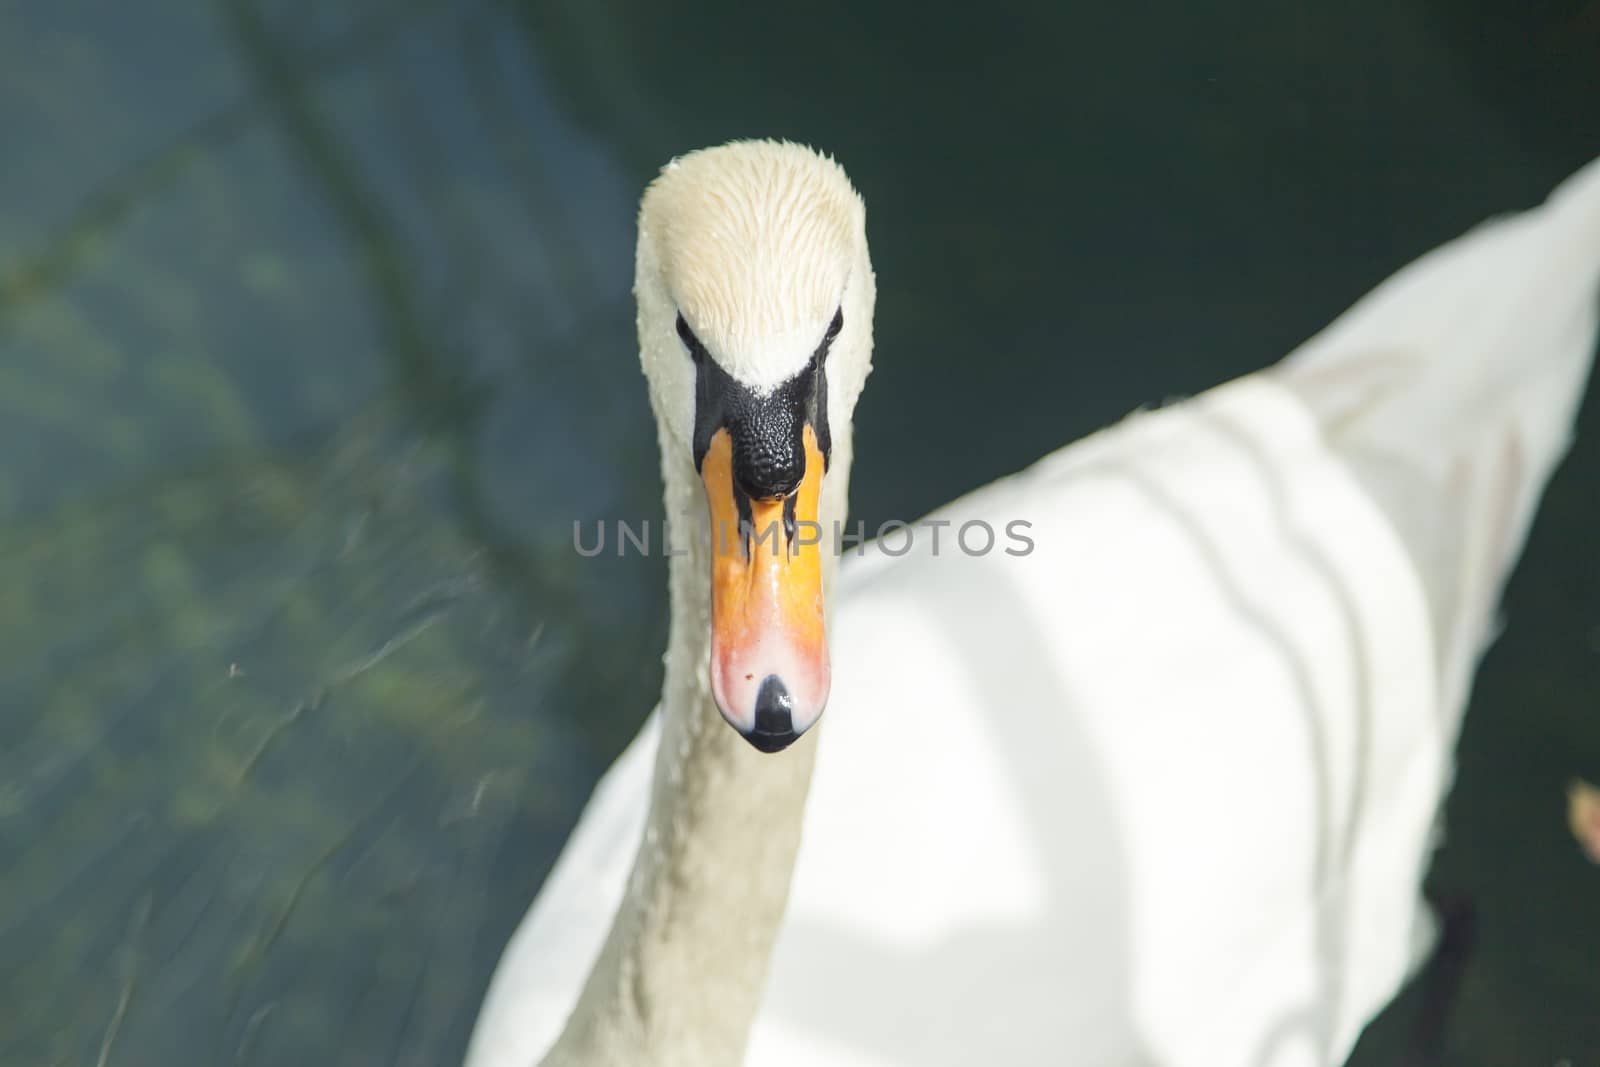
(1163, 790)
(1158, 791)
(1450, 393)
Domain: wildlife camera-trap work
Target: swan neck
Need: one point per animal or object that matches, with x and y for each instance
(680, 977)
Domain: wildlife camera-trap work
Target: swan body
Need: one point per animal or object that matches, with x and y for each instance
(1161, 790)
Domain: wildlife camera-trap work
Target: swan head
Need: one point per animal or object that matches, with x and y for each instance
(755, 297)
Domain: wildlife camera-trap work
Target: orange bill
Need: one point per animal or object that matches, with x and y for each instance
(769, 651)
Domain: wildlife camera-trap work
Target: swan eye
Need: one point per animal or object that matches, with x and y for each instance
(690, 341)
(833, 327)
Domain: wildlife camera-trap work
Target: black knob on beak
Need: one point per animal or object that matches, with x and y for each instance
(769, 459)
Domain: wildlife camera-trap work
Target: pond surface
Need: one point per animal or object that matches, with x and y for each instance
(316, 337)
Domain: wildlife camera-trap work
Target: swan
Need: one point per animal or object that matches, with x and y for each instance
(1158, 788)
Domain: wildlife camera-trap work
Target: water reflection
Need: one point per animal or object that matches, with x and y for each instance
(312, 384)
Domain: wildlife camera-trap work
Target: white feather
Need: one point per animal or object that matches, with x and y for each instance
(1161, 791)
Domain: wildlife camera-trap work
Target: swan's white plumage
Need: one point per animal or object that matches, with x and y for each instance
(1161, 791)
(681, 971)
(755, 250)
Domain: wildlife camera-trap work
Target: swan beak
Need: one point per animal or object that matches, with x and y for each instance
(769, 651)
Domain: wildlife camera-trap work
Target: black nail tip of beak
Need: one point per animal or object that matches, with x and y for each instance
(770, 743)
(774, 727)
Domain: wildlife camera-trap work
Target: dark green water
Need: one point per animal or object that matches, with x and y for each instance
(315, 336)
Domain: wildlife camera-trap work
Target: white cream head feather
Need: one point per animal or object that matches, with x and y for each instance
(755, 295)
